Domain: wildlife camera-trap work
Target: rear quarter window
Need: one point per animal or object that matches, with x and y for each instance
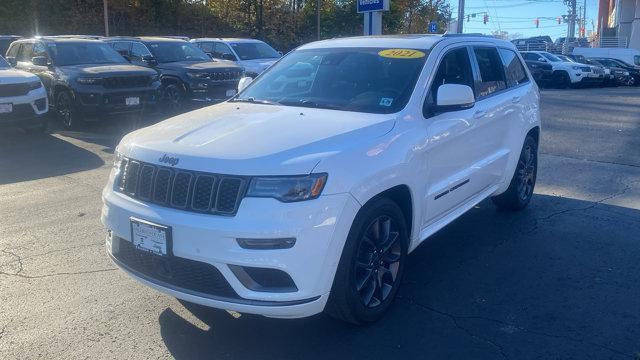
(513, 68)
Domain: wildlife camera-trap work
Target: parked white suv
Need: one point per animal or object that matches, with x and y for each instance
(253, 55)
(565, 73)
(23, 100)
(303, 195)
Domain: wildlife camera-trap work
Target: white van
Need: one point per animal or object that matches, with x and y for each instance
(630, 56)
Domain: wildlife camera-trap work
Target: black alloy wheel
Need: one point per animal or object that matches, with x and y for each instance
(65, 110)
(372, 263)
(378, 261)
(173, 98)
(523, 182)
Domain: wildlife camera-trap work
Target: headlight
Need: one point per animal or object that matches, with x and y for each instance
(195, 75)
(117, 160)
(288, 188)
(89, 81)
(35, 85)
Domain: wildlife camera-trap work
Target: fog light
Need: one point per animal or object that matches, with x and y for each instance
(266, 244)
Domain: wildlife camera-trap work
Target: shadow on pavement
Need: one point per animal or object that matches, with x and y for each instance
(36, 156)
(557, 280)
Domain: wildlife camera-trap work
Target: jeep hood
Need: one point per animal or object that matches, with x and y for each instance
(254, 139)
(198, 66)
(106, 70)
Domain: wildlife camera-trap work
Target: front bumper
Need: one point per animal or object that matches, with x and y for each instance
(319, 226)
(96, 100)
(207, 91)
(27, 110)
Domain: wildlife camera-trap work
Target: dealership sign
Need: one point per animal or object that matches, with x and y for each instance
(365, 6)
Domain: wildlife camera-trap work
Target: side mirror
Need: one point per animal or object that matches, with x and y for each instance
(243, 83)
(454, 97)
(40, 61)
(12, 61)
(150, 60)
(229, 57)
(209, 55)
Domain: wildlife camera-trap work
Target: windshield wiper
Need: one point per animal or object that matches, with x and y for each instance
(254, 101)
(309, 104)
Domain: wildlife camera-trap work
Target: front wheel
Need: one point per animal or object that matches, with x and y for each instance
(372, 263)
(173, 98)
(520, 190)
(66, 110)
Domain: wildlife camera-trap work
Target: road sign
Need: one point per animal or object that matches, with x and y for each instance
(365, 6)
(433, 27)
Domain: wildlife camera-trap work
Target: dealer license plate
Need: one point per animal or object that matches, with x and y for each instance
(150, 237)
(132, 101)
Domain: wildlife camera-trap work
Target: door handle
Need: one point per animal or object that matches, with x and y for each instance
(480, 113)
(515, 99)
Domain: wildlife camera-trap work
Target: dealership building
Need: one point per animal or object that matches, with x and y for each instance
(619, 23)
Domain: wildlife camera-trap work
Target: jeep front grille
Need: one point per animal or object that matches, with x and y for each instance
(119, 82)
(181, 189)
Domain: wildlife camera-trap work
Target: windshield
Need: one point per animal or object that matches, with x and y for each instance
(350, 79)
(70, 53)
(254, 50)
(166, 52)
(551, 57)
(3, 63)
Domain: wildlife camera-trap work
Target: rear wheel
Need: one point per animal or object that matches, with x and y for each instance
(520, 190)
(372, 263)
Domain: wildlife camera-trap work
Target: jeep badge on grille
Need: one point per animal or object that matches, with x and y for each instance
(173, 161)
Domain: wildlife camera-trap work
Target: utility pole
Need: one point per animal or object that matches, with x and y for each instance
(106, 17)
(460, 16)
(318, 4)
(584, 19)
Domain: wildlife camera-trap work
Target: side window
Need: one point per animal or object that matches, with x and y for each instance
(516, 74)
(13, 50)
(26, 50)
(531, 56)
(122, 47)
(223, 49)
(206, 47)
(39, 50)
(454, 68)
(138, 51)
(491, 71)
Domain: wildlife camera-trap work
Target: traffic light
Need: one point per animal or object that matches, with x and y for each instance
(559, 20)
(537, 22)
(486, 19)
(468, 18)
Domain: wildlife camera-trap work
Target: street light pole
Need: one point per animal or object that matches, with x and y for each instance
(106, 17)
(460, 16)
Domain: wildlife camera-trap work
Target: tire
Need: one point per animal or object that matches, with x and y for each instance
(65, 110)
(173, 98)
(562, 80)
(523, 182)
(371, 265)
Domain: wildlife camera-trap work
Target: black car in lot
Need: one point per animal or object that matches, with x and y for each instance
(620, 75)
(85, 79)
(542, 72)
(634, 71)
(188, 75)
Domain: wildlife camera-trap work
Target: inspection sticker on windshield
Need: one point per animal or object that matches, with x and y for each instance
(401, 54)
(386, 102)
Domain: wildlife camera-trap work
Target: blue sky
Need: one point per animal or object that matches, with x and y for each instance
(517, 16)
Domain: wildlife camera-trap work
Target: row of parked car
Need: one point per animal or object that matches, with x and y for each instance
(86, 77)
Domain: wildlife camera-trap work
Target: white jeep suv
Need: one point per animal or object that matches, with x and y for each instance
(23, 99)
(566, 73)
(307, 190)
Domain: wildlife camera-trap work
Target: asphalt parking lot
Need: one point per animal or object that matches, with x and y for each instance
(556, 281)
